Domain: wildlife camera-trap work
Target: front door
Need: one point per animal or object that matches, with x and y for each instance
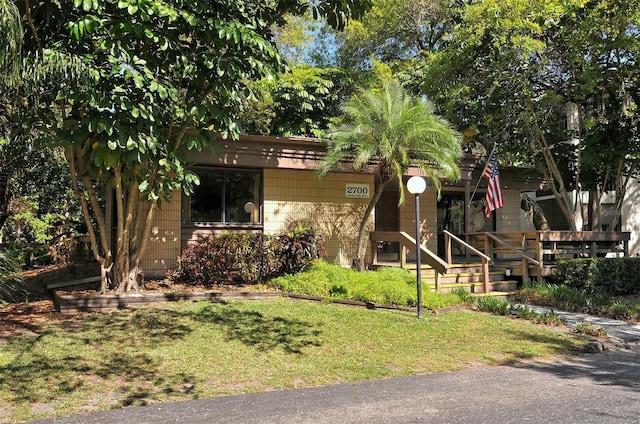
(387, 218)
(450, 217)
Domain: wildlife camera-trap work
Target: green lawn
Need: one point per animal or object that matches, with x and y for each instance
(202, 349)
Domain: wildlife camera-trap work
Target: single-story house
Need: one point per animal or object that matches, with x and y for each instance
(268, 184)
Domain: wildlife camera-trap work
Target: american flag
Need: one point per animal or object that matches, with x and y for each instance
(494, 192)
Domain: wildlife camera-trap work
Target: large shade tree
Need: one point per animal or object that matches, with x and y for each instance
(143, 82)
(555, 83)
(387, 128)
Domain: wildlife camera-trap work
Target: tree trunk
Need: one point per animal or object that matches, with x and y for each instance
(134, 225)
(554, 178)
(358, 261)
(99, 247)
(4, 197)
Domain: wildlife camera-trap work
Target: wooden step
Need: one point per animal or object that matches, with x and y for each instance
(478, 287)
(468, 277)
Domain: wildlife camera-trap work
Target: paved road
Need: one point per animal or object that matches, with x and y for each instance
(589, 388)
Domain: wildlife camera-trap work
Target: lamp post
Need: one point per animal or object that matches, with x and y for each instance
(416, 186)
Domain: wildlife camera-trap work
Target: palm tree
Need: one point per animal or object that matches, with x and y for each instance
(10, 42)
(392, 131)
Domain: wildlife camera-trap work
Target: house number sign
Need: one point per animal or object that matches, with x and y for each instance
(359, 191)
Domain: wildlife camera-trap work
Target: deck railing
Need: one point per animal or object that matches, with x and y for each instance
(539, 250)
(534, 252)
(407, 243)
(527, 261)
(449, 238)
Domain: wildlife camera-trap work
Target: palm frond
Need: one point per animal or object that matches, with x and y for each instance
(10, 42)
(388, 126)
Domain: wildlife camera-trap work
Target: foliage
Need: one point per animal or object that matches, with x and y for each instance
(567, 298)
(590, 329)
(500, 306)
(551, 318)
(464, 295)
(299, 102)
(393, 286)
(493, 305)
(524, 312)
(298, 248)
(26, 226)
(551, 82)
(613, 276)
(388, 127)
(246, 258)
(397, 32)
(11, 289)
(128, 87)
(620, 309)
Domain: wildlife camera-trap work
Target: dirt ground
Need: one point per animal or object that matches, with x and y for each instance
(29, 317)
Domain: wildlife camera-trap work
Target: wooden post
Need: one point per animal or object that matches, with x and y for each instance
(485, 275)
(403, 256)
(539, 255)
(374, 252)
(467, 217)
(487, 247)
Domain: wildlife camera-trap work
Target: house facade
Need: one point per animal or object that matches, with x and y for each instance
(268, 184)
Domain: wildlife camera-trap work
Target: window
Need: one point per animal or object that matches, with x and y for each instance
(228, 196)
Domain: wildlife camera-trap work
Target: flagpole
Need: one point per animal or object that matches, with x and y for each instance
(483, 169)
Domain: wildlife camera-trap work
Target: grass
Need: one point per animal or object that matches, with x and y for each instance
(201, 349)
(394, 286)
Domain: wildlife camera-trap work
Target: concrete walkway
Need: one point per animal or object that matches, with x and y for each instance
(598, 388)
(619, 331)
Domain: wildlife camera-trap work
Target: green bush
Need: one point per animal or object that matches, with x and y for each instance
(494, 305)
(590, 329)
(246, 258)
(613, 276)
(393, 286)
(551, 318)
(11, 289)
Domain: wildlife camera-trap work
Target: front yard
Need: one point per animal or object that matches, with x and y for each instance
(62, 365)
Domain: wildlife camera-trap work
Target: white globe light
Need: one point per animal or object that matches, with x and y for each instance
(416, 185)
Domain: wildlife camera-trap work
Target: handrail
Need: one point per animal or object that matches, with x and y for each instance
(523, 257)
(465, 244)
(513, 249)
(485, 259)
(408, 242)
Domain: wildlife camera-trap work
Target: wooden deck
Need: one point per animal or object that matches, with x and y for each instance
(501, 261)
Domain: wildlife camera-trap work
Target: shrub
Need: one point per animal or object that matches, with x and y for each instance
(463, 295)
(393, 286)
(246, 258)
(614, 276)
(621, 310)
(11, 289)
(556, 295)
(590, 329)
(551, 318)
(298, 248)
(523, 312)
(494, 305)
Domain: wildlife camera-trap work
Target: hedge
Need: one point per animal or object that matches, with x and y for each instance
(613, 276)
(246, 258)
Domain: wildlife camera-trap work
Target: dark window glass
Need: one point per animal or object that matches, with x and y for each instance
(225, 196)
